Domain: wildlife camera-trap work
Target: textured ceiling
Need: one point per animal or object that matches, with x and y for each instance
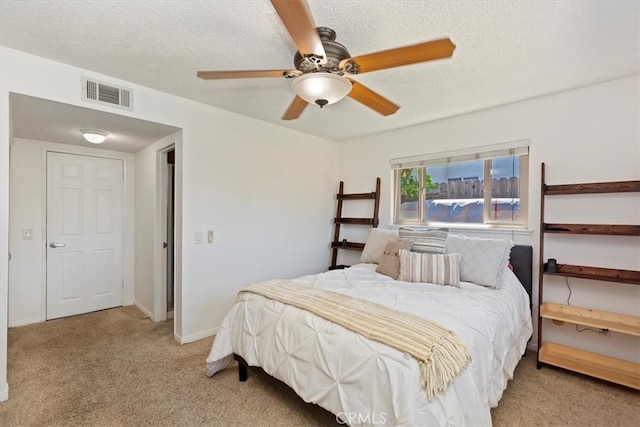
(506, 51)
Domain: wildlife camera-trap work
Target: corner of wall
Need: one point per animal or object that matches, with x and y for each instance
(195, 337)
(143, 309)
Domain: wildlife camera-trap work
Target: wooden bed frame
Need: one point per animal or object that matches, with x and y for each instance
(521, 259)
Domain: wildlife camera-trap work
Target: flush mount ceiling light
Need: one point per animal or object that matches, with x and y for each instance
(321, 88)
(94, 136)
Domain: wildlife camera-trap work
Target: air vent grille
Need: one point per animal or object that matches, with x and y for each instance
(125, 98)
(109, 94)
(92, 90)
(106, 94)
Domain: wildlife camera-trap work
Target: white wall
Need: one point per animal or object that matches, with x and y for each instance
(25, 269)
(27, 210)
(5, 140)
(268, 198)
(590, 134)
(266, 191)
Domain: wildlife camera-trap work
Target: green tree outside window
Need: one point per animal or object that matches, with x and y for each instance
(409, 179)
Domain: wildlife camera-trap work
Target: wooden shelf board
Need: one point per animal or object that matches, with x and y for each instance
(622, 323)
(599, 229)
(597, 273)
(596, 365)
(356, 196)
(348, 245)
(595, 187)
(362, 221)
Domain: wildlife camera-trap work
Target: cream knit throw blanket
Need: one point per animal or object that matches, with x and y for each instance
(439, 352)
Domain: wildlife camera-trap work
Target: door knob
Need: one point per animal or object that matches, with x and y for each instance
(56, 245)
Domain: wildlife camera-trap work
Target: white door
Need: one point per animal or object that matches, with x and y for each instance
(84, 234)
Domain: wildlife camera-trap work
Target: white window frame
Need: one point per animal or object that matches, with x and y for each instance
(486, 153)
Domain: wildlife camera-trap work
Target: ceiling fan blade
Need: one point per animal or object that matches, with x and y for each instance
(212, 75)
(406, 55)
(295, 109)
(371, 99)
(297, 19)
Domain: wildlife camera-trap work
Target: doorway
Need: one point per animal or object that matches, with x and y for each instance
(170, 255)
(135, 143)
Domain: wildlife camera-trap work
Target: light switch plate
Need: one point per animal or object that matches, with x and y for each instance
(199, 237)
(210, 236)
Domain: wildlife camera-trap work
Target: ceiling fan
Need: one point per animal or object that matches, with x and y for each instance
(322, 65)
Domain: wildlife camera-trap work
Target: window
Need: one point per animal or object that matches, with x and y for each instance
(481, 187)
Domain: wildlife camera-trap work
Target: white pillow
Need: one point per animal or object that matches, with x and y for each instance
(376, 242)
(482, 260)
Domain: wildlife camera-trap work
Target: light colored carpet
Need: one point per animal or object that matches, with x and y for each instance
(117, 368)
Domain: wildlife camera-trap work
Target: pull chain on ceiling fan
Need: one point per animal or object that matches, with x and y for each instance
(322, 64)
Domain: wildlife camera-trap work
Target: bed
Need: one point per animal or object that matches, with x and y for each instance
(365, 382)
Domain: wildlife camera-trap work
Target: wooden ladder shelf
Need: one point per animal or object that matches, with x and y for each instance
(339, 220)
(597, 365)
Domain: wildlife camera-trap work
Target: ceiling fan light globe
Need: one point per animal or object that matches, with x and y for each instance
(321, 88)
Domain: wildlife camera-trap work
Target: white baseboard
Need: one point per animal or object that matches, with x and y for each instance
(24, 322)
(195, 337)
(4, 393)
(143, 310)
(532, 346)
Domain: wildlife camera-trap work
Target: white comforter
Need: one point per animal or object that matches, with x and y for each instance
(366, 382)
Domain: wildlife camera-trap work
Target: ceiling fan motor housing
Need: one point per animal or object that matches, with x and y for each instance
(334, 51)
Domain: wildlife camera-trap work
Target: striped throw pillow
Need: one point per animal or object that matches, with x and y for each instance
(429, 268)
(429, 241)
